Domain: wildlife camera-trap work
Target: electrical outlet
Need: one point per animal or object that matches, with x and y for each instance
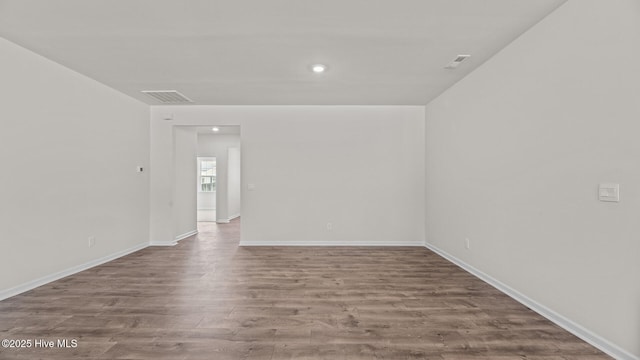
(467, 243)
(92, 241)
(329, 226)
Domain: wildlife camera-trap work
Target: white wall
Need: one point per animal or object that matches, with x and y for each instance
(234, 182)
(185, 151)
(359, 167)
(69, 148)
(514, 155)
(218, 146)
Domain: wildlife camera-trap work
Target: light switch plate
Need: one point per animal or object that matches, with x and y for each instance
(609, 192)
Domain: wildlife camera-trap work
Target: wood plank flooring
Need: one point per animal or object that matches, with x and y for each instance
(206, 298)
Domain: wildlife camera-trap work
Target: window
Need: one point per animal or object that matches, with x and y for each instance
(207, 175)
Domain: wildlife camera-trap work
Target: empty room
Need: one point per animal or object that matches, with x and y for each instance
(294, 179)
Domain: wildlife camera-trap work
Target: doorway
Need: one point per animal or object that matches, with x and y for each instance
(206, 184)
(219, 173)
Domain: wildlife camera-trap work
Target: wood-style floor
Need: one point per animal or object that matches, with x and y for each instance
(206, 298)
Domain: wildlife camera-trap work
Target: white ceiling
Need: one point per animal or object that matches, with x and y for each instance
(258, 52)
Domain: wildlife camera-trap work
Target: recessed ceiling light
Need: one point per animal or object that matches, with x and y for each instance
(318, 68)
(215, 129)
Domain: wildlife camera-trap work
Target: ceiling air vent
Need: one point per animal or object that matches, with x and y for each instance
(457, 61)
(168, 96)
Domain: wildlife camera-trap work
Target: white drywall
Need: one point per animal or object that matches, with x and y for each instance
(218, 146)
(234, 182)
(69, 147)
(514, 155)
(184, 205)
(206, 200)
(360, 168)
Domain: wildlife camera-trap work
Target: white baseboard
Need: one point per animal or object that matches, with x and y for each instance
(227, 220)
(4, 294)
(565, 323)
(186, 235)
(163, 243)
(329, 243)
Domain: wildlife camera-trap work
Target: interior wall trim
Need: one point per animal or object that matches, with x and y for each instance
(330, 243)
(163, 243)
(186, 235)
(4, 294)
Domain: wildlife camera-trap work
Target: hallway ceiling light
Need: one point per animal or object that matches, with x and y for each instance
(215, 129)
(318, 68)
